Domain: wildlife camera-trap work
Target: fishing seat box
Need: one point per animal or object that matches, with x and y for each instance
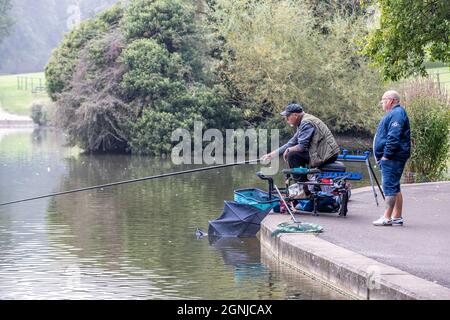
(257, 198)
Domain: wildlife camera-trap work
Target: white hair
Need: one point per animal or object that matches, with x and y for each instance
(392, 94)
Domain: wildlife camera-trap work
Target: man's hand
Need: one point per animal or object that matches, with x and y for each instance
(384, 158)
(285, 154)
(268, 156)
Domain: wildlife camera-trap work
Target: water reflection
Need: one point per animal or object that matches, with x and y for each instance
(237, 251)
(131, 241)
(243, 255)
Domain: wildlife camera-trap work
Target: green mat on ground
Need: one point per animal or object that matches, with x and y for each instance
(297, 227)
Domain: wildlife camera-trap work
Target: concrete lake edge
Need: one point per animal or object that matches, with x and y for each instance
(346, 271)
(9, 120)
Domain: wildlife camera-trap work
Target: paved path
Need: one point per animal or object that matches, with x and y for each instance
(421, 247)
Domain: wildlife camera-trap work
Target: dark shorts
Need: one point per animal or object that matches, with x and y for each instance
(391, 172)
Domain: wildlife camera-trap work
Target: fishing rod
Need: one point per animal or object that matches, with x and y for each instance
(170, 174)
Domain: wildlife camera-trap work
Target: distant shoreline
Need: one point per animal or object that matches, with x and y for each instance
(10, 120)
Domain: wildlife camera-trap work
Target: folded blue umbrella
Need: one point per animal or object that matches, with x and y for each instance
(237, 220)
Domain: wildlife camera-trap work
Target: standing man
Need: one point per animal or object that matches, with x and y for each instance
(392, 148)
(313, 143)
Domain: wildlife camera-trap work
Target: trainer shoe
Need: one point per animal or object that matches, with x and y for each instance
(397, 221)
(382, 222)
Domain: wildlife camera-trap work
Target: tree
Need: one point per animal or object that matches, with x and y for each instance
(166, 64)
(5, 20)
(275, 52)
(325, 11)
(410, 31)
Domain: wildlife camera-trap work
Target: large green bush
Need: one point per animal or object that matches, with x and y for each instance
(152, 71)
(168, 22)
(151, 133)
(429, 114)
(174, 25)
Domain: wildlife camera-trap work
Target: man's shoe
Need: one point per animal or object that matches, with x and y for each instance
(382, 222)
(397, 221)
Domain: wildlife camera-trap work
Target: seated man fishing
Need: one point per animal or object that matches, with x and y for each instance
(313, 143)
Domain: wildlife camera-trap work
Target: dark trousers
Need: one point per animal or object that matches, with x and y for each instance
(301, 159)
(298, 159)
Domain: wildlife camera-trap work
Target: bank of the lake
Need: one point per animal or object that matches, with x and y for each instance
(13, 121)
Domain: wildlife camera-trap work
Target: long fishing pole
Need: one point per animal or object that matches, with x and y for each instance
(170, 174)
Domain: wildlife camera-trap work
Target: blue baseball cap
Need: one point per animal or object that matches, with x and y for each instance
(292, 108)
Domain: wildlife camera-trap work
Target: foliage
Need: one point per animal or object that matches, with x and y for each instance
(125, 80)
(151, 130)
(427, 107)
(63, 61)
(273, 53)
(165, 72)
(5, 20)
(325, 11)
(43, 113)
(153, 72)
(151, 133)
(113, 15)
(173, 25)
(409, 31)
(91, 109)
(168, 22)
(38, 114)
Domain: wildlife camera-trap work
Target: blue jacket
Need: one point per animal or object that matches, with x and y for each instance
(393, 137)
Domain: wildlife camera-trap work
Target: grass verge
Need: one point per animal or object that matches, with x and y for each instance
(18, 101)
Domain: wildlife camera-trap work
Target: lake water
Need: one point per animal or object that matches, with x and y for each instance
(134, 241)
